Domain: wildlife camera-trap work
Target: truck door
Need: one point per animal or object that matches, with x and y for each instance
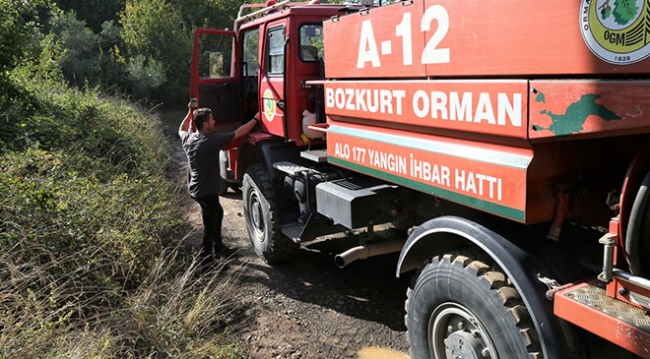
(272, 78)
(214, 81)
(291, 56)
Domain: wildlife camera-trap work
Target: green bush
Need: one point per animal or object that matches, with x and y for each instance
(145, 76)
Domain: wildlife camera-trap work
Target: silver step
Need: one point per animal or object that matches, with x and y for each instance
(293, 231)
(289, 167)
(319, 156)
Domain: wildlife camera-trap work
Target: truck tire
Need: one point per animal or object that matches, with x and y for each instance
(460, 307)
(261, 217)
(637, 238)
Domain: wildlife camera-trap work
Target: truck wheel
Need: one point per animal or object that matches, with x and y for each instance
(462, 308)
(637, 238)
(261, 217)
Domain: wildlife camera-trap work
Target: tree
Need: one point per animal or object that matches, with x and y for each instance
(155, 30)
(19, 23)
(81, 45)
(217, 14)
(94, 12)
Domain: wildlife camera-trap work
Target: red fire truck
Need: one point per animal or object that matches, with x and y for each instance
(507, 140)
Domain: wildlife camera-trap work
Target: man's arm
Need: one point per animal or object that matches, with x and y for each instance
(244, 129)
(185, 124)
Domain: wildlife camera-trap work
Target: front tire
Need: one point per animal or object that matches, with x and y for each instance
(460, 307)
(261, 217)
(637, 238)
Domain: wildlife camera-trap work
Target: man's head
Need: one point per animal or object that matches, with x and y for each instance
(201, 116)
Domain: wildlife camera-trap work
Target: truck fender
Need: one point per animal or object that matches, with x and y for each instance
(449, 232)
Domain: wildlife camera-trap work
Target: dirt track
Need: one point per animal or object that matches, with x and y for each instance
(310, 308)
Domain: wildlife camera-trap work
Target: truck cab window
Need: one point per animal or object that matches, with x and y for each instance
(251, 52)
(250, 70)
(216, 54)
(276, 51)
(311, 42)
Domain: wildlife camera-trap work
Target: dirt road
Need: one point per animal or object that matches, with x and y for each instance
(310, 308)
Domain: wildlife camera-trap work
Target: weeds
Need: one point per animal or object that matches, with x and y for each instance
(91, 242)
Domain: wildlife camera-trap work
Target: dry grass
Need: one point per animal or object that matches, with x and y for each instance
(176, 312)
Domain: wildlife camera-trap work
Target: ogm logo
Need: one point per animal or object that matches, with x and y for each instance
(269, 105)
(617, 30)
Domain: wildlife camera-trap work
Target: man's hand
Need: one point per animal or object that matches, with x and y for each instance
(248, 126)
(258, 121)
(187, 121)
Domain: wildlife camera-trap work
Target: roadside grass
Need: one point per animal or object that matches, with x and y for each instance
(92, 256)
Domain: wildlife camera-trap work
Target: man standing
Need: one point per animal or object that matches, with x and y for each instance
(202, 151)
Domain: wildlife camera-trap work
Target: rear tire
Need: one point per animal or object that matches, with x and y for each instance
(261, 217)
(460, 307)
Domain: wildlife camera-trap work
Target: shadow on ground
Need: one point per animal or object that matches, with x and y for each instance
(365, 289)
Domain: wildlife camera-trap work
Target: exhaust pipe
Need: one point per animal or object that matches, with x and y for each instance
(366, 251)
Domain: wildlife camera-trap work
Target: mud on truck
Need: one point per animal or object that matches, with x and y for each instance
(508, 140)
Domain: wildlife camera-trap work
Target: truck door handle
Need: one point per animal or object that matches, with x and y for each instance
(280, 105)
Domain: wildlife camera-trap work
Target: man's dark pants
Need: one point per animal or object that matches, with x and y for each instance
(212, 214)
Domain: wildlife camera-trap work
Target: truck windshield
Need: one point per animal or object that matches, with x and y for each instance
(311, 42)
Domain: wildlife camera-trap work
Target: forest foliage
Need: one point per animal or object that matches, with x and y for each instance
(137, 49)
